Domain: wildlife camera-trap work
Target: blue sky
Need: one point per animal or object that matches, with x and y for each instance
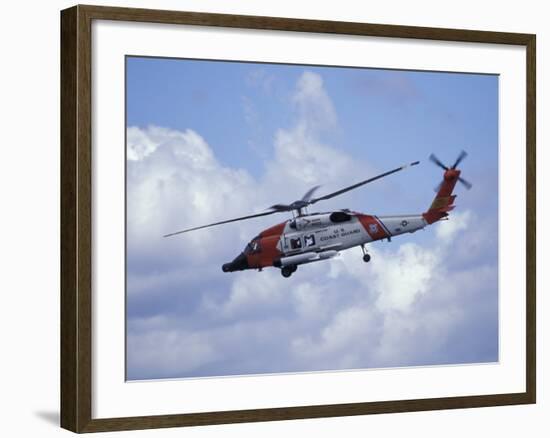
(209, 140)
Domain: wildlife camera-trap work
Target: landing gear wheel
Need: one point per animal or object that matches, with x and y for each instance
(366, 256)
(286, 271)
(293, 268)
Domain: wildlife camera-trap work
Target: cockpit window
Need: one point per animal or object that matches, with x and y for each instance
(252, 247)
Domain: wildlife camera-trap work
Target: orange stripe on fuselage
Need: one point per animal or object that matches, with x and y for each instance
(268, 252)
(373, 226)
(275, 230)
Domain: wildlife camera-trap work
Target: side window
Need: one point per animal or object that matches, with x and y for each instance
(295, 243)
(340, 216)
(309, 240)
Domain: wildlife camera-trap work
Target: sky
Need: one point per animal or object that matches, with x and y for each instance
(212, 140)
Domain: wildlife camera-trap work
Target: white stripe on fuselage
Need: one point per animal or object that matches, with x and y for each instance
(344, 235)
(336, 236)
(402, 224)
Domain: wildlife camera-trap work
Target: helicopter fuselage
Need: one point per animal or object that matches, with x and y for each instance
(319, 236)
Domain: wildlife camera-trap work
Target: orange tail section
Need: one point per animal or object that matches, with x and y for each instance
(443, 201)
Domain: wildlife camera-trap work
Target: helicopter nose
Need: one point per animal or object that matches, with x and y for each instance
(239, 264)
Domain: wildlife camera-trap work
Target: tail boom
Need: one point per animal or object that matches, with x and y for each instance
(443, 202)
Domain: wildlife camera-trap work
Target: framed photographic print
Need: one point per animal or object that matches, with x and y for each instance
(269, 218)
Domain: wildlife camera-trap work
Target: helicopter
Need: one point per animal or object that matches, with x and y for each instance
(312, 237)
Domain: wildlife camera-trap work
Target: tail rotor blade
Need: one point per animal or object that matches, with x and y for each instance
(437, 162)
(466, 183)
(462, 155)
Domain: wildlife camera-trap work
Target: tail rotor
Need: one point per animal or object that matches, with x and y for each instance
(463, 154)
(443, 202)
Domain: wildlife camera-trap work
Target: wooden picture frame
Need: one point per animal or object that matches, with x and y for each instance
(76, 218)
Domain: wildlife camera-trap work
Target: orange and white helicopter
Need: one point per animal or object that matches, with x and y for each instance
(312, 237)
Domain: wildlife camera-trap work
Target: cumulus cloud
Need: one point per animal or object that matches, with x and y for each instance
(301, 156)
(187, 318)
(403, 276)
(250, 298)
(459, 221)
(169, 352)
(315, 106)
(179, 183)
(341, 342)
(138, 144)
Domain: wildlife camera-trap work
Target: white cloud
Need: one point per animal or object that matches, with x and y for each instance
(179, 184)
(138, 144)
(310, 301)
(314, 104)
(402, 276)
(266, 292)
(336, 344)
(458, 221)
(168, 352)
(301, 158)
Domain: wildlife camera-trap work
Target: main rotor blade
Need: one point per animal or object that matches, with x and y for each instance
(462, 155)
(309, 193)
(466, 183)
(221, 222)
(281, 207)
(438, 162)
(361, 183)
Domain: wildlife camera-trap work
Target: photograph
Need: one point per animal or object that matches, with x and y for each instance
(288, 218)
(254, 219)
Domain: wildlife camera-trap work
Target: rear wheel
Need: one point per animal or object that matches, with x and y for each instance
(366, 258)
